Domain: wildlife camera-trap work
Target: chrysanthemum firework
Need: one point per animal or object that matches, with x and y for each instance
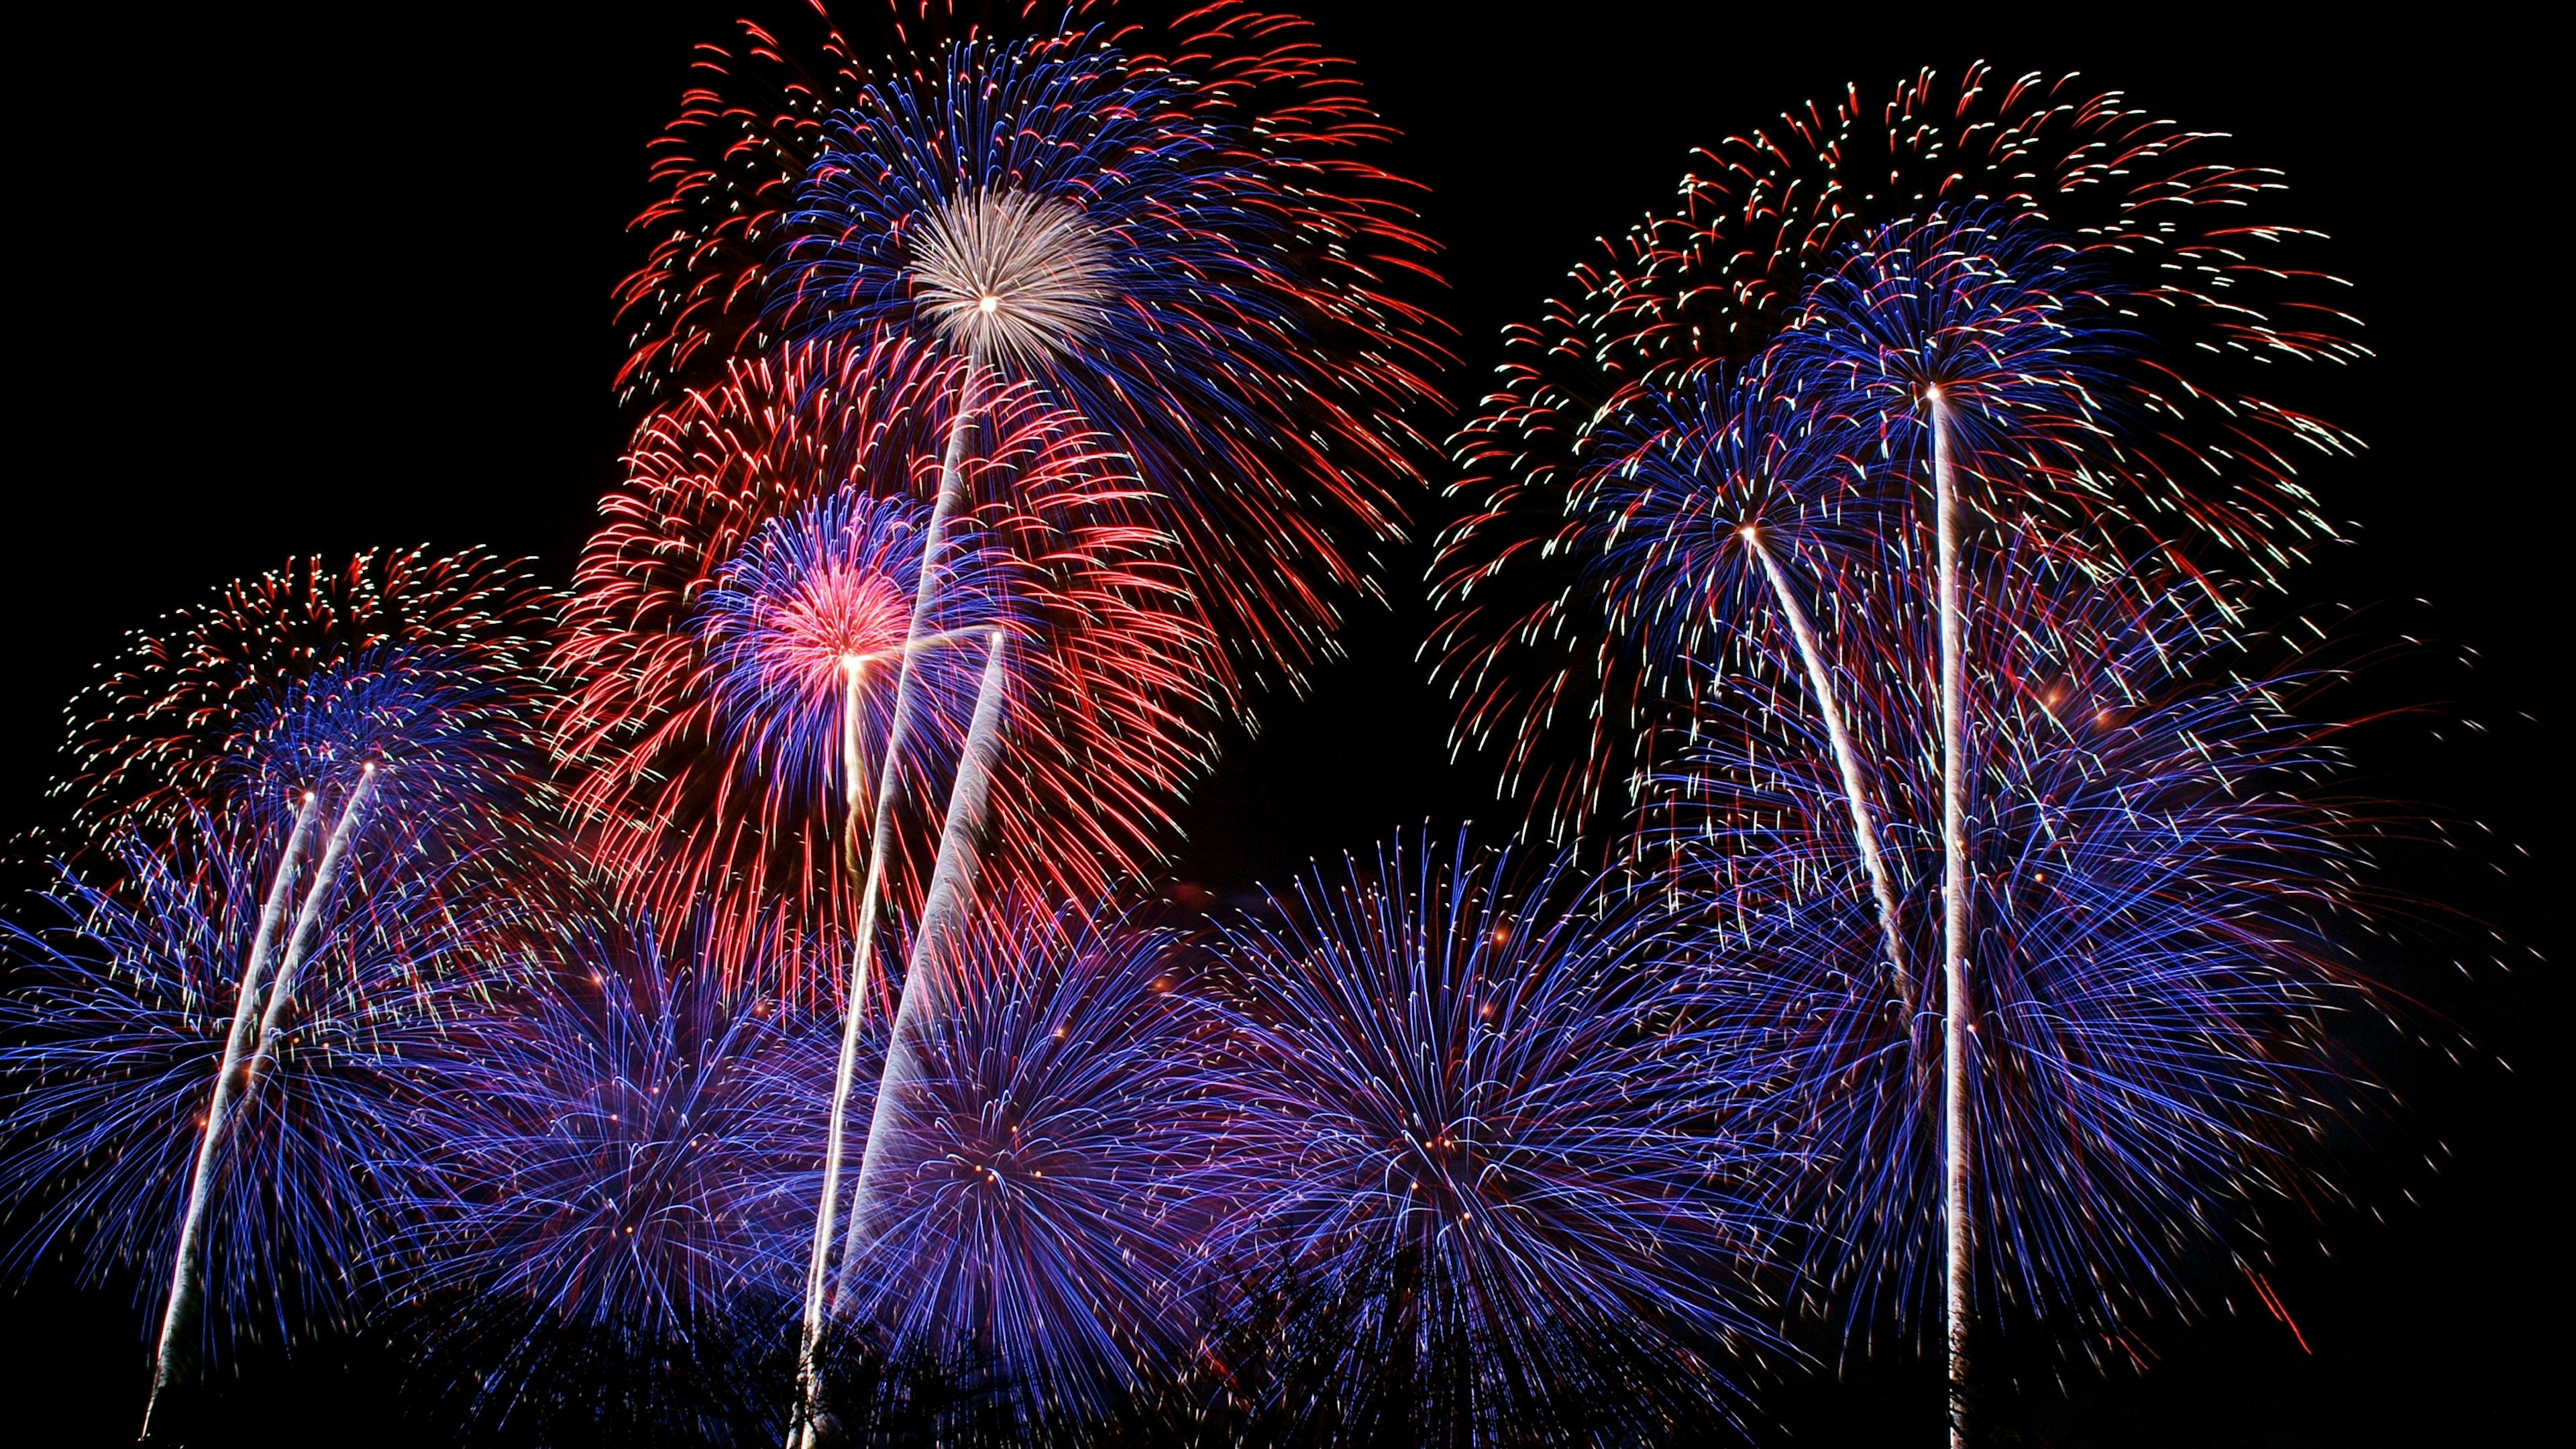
(619, 1152)
(116, 1024)
(1049, 1158)
(2154, 964)
(294, 678)
(758, 578)
(1167, 230)
(1504, 1095)
(2150, 230)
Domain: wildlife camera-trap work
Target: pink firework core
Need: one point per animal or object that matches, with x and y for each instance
(838, 618)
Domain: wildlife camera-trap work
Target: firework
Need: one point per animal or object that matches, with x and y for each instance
(1049, 1161)
(1168, 229)
(1503, 1095)
(1967, 342)
(762, 567)
(2153, 899)
(374, 713)
(132, 1005)
(1693, 514)
(950, 896)
(620, 1153)
(167, 730)
(2161, 232)
(758, 618)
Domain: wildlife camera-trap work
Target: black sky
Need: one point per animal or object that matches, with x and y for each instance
(306, 284)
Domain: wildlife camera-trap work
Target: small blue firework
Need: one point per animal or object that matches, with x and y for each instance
(1506, 1095)
(624, 1140)
(1040, 1184)
(115, 1025)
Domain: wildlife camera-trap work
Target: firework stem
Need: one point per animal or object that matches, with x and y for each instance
(1864, 830)
(182, 1299)
(952, 490)
(854, 781)
(308, 921)
(1954, 923)
(952, 890)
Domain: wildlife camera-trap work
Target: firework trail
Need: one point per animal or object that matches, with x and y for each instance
(2155, 891)
(1166, 228)
(1051, 1159)
(1968, 343)
(1505, 1095)
(621, 1157)
(705, 728)
(950, 895)
(2186, 248)
(1685, 514)
(943, 911)
(121, 1024)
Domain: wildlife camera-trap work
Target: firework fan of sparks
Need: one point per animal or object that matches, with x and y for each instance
(2160, 233)
(1505, 1094)
(698, 727)
(624, 1142)
(183, 719)
(2155, 961)
(1170, 231)
(1054, 1159)
(114, 1025)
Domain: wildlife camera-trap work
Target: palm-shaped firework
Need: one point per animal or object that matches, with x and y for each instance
(1168, 226)
(2181, 246)
(136, 1001)
(775, 607)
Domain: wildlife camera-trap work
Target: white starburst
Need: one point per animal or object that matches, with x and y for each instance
(1009, 276)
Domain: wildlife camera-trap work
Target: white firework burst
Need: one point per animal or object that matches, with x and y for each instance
(1008, 276)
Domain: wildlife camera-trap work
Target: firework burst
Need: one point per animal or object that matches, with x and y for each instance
(127, 1009)
(1504, 1095)
(181, 721)
(2150, 232)
(1051, 1160)
(2154, 958)
(620, 1157)
(761, 574)
(1166, 229)
(366, 734)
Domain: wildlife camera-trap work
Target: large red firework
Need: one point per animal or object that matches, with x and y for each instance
(674, 642)
(1247, 342)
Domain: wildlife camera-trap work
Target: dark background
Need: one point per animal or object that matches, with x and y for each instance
(291, 284)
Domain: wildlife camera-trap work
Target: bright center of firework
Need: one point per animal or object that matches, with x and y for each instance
(829, 624)
(1009, 276)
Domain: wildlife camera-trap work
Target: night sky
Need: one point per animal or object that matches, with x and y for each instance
(298, 287)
